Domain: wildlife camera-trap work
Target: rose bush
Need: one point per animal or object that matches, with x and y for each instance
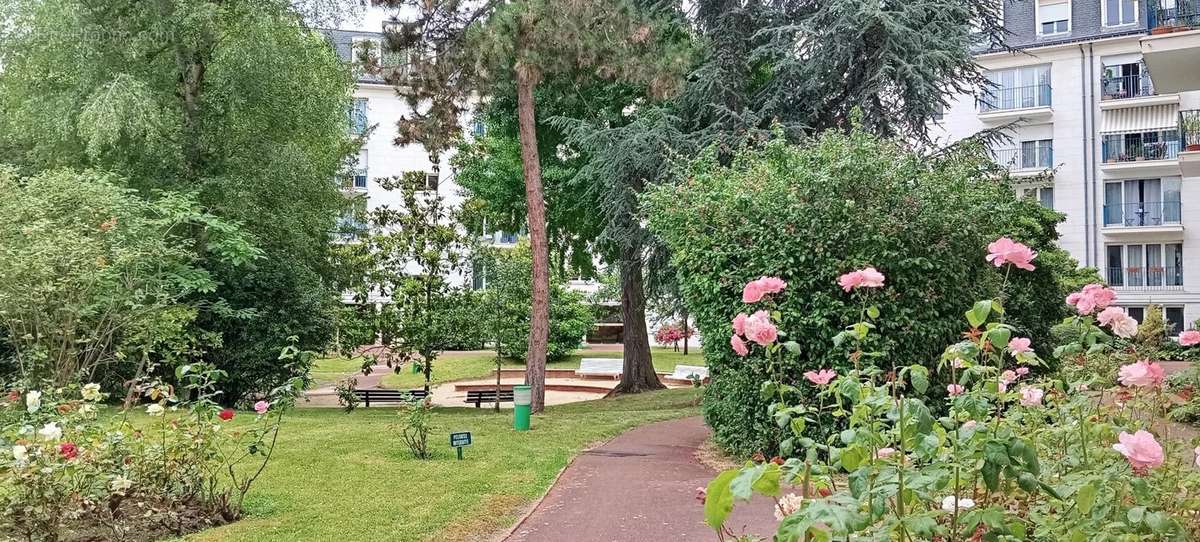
(807, 215)
(1014, 457)
(70, 470)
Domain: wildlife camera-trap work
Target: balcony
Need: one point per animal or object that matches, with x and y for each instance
(1026, 161)
(1150, 278)
(1136, 90)
(1005, 104)
(1140, 218)
(1172, 50)
(1189, 130)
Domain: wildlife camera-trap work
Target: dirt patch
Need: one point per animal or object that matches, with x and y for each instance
(138, 520)
(713, 457)
(498, 512)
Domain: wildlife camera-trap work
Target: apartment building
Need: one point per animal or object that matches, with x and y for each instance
(1105, 97)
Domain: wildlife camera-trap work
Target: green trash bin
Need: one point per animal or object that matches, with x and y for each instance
(522, 398)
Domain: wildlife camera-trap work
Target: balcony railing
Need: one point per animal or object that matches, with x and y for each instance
(1189, 129)
(1185, 15)
(1146, 277)
(1143, 214)
(1121, 150)
(1127, 86)
(1025, 97)
(1013, 158)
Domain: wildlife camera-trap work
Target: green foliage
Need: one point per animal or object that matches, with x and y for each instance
(246, 110)
(1152, 330)
(506, 304)
(96, 283)
(416, 425)
(808, 214)
(467, 326)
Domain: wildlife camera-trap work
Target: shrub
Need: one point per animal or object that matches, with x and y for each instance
(416, 424)
(99, 283)
(467, 328)
(506, 302)
(1152, 332)
(1015, 457)
(807, 214)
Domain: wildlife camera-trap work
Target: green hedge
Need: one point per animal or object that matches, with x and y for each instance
(808, 214)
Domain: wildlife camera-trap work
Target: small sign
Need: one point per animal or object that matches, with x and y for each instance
(458, 440)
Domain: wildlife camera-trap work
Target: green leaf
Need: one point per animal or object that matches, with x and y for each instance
(979, 313)
(1028, 482)
(1135, 514)
(918, 376)
(718, 500)
(999, 336)
(793, 347)
(991, 475)
(798, 425)
(852, 457)
(1085, 498)
(873, 312)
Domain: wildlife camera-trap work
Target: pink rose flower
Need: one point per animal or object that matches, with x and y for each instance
(1110, 315)
(1005, 250)
(760, 329)
(1019, 345)
(739, 346)
(1197, 452)
(1091, 297)
(1122, 324)
(1006, 378)
(1190, 337)
(820, 378)
(885, 453)
(863, 278)
(1142, 374)
(261, 407)
(1031, 396)
(1022, 371)
(752, 293)
(739, 324)
(969, 424)
(1140, 449)
(954, 390)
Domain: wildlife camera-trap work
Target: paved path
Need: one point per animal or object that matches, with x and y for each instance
(640, 486)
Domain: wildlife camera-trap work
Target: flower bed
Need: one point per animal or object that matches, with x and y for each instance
(1015, 457)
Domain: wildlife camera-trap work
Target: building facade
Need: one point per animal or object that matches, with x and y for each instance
(1101, 100)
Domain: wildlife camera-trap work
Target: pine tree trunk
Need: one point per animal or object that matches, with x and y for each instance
(539, 324)
(637, 373)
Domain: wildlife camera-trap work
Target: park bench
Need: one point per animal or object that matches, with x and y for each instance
(609, 367)
(684, 374)
(380, 395)
(479, 397)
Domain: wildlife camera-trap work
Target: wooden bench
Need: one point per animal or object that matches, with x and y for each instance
(687, 374)
(479, 397)
(380, 395)
(609, 367)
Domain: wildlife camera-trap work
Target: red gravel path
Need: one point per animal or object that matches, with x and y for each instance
(640, 486)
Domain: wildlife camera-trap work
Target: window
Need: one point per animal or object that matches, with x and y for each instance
(360, 171)
(1145, 266)
(1119, 12)
(1054, 17)
(1127, 80)
(1137, 313)
(363, 50)
(1142, 202)
(1037, 154)
(478, 275)
(1017, 88)
(508, 238)
(358, 116)
(431, 182)
(1174, 318)
(1043, 194)
(478, 129)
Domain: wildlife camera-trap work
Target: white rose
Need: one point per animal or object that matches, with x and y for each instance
(20, 454)
(155, 410)
(963, 504)
(120, 484)
(50, 431)
(91, 392)
(33, 401)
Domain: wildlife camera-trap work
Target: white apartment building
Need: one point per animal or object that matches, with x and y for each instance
(1106, 95)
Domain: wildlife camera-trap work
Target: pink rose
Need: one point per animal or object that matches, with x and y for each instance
(1091, 297)
(969, 424)
(1005, 250)
(1006, 378)
(885, 453)
(1197, 452)
(760, 329)
(863, 278)
(1140, 449)
(820, 378)
(1031, 396)
(1022, 371)
(739, 324)
(1125, 327)
(261, 407)
(752, 293)
(1190, 337)
(1142, 374)
(739, 346)
(771, 285)
(954, 390)
(1019, 345)
(1110, 315)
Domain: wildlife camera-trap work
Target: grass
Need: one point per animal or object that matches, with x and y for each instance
(326, 371)
(339, 476)
(469, 365)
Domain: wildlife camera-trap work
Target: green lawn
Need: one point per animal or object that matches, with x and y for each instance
(462, 366)
(326, 371)
(339, 476)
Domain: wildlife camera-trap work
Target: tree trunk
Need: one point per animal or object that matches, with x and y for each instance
(539, 324)
(685, 332)
(637, 374)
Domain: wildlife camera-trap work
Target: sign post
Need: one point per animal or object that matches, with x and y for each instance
(458, 440)
(522, 399)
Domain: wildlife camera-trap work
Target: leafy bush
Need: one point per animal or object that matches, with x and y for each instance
(71, 473)
(467, 328)
(97, 283)
(808, 213)
(417, 423)
(506, 302)
(1015, 457)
